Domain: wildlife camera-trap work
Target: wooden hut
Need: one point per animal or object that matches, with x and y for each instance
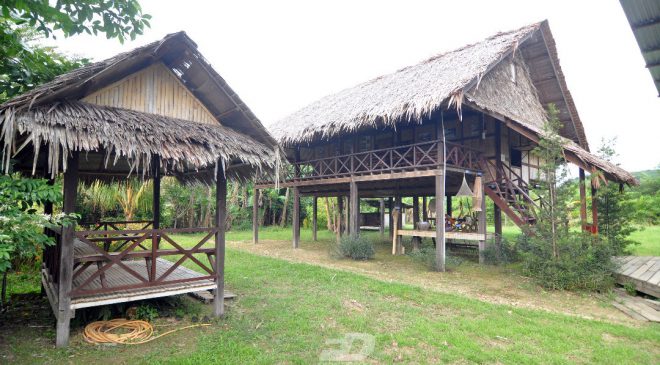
(158, 110)
(471, 114)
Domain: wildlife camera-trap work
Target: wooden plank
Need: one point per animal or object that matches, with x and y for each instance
(633, 314)
(255, 216)
(296, 217)
(354, 206)
(652, 270)
(642, 268)
(440, 227)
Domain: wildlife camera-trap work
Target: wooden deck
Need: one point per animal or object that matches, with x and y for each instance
(643, 271)
(116, 276)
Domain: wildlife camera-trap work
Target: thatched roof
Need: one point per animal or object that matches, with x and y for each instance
(416, 91)
(52, 115)
(476, 75)
(644, 19)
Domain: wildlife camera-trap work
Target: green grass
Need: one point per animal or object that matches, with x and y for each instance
(285, 312)
(649, 239)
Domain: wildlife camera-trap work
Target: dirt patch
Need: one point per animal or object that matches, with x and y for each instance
(498, 285)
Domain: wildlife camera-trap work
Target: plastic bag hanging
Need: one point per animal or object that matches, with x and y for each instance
(465, 189)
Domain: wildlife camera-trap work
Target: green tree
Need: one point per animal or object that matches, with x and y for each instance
(25, 64)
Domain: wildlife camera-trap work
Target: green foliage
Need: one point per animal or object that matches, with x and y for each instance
(356, 248)
(500, 254)
(21, 226)
(146, 312)
(630, 288)
(25, 64)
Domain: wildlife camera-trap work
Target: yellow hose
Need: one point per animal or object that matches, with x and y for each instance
(124, 331)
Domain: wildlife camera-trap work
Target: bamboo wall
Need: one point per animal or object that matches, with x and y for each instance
(154, 89)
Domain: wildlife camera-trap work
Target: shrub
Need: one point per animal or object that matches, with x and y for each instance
(146, 312)
(502, 254)
(582, 262)
(357, 248)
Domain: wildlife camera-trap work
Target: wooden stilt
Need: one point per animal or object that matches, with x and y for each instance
(390, 207)
(425, 210)
(354, 207)
(340, 215)
(416, 241)
(481, 224)
(498, 178)
(450, 209)
(381, 211)
(64, 312)
(439, 223)
(220, 218)
(296, 217)
(255, 216)
(315, 207)
(594, 209)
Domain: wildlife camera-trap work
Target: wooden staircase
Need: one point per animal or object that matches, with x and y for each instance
(510, 193)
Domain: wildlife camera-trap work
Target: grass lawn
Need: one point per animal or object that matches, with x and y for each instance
(649, 239)
(287, 312)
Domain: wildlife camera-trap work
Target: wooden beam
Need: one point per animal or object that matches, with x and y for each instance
(583, 199)
(439, 223)
(155, 173)
(381, 211)
(296, 218)
(594, 209)
(65, 275)
(255, 216)
(220, 223)
(315, 207)
(354, 206)
(481, 223)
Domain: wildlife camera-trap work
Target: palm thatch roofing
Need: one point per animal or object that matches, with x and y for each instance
(118, 141)
(644, 19)
(470, 75)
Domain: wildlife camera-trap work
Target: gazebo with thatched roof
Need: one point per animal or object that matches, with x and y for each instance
(462, 123)
(157, 110)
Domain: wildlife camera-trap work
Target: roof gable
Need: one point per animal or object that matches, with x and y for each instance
(154, 89)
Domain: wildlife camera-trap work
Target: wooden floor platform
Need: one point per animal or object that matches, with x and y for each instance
(643, 271)
(116, 276)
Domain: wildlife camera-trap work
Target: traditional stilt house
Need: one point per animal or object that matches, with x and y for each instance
(436, 129)
(155, 111)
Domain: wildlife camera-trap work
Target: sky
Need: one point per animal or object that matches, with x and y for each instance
(282, 55)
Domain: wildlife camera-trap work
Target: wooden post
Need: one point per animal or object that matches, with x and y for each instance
(296, 217)
(390, 207)
(425, 210)
(381, 211)
(340, 215)
(65, 276)
(155, 238)
(439, 222)
(220, 218)
(315, 207)
(498, 177)
(346, 211)
(583, 200)
(396, 239)
(354, 206)
(481, 224)
(416, 241)
(594, 209)
(255, 216)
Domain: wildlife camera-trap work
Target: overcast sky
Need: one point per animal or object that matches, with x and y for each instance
(281, 55)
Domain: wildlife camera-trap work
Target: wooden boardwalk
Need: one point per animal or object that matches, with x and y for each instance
(643, 271)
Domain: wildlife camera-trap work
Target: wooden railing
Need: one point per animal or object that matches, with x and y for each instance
(123, 249)
(417, 156)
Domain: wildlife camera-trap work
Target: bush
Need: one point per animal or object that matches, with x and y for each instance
(358, 248)
(502, 254)
(583, 262)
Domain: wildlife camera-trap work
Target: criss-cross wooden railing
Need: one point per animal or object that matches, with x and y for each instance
(416, 156)
(137, 258)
